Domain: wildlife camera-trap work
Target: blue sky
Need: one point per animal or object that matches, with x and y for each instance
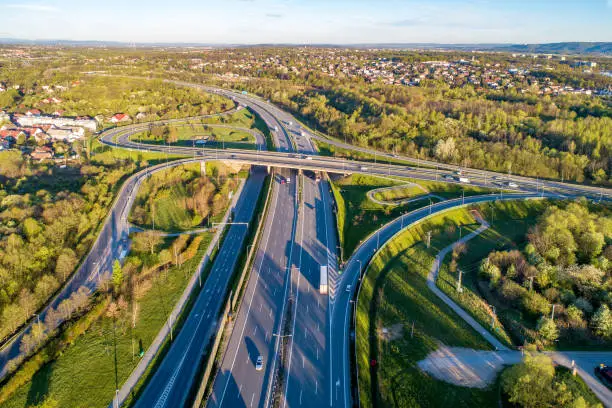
(309, 21)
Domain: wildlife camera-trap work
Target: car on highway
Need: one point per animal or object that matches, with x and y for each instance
(448, 177)
(306, 157)
(348, 288)
(363, 168)
(512, 184)
(463, 179)
(604, 373)
(259, 364)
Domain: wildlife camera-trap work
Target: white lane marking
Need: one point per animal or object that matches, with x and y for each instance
(297, 302)
(252, 398)
(293, 229)
(250, 302)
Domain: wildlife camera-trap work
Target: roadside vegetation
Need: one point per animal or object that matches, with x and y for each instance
(394, 296)
(131, 307)
(358, 216)
(183, 198)
(509, 222)
(105, 334)
(536, 382)
(213, 132)
(563, 261)
(49, 218)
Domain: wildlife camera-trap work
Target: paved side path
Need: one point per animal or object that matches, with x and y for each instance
(478, 368)
(431, 282)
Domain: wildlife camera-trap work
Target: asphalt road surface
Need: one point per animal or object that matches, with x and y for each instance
(170, 385)
(261, 312)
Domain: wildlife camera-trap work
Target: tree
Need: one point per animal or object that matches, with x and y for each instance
(117, 275)
(146, 241)
(529, 384)
(38, 332)
(65, 264)
(590, 244)
(602, 322)
(52, 319)
(547, 328)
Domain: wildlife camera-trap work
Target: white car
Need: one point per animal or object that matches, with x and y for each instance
(348, 288)
(512, 184)
(259, 364)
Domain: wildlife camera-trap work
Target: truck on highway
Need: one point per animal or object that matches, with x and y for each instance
(323, 280)
(463, 179)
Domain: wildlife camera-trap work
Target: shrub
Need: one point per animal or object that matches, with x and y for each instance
(511, 290)
(535, 304)
(547, 328)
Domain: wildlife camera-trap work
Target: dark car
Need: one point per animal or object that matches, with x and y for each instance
(604, 373)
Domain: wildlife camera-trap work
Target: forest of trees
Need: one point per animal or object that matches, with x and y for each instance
(49, 217)
(96, 95)
(567, 263)
(568, 137)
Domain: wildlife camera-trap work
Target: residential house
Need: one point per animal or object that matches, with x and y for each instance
(33, 112)
(42, 153)
(120, 118)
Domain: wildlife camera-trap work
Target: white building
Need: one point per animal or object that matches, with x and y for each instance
(86, 123)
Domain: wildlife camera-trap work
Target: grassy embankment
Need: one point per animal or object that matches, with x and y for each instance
(181, 198)
(509, 222)
(394, 294)
(190, 131)
(358, 216)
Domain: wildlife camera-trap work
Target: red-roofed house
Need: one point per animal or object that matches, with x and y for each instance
(120, 117)
(33, 112)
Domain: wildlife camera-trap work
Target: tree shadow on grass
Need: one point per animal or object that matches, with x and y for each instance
(39, 386)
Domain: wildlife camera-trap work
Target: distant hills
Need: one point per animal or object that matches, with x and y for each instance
(600, 48)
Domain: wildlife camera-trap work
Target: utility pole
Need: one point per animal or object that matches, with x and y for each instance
(493, 317)
(459, 288)
(552, 314)
(428, 239)
(531, 284)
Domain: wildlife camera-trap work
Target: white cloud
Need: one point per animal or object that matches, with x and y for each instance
(32, 7)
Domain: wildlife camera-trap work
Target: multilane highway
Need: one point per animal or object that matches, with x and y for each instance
(239, 381)
(261, 312)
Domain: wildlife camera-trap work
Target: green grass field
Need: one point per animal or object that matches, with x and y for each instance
(214, 137)
(394, 294)
(358, 216)
(171, 209)
(510, 221)
(84, 376)
(398, 193)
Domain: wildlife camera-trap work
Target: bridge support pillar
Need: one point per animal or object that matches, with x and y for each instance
(269, 169)
(300, 171)
(203, 168)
